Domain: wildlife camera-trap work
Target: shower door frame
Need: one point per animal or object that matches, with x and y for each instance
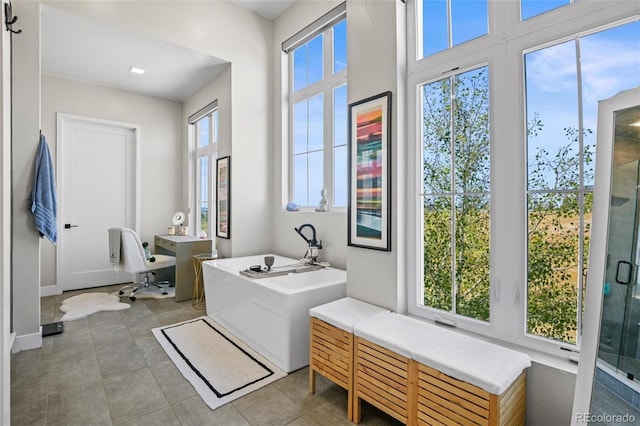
(598, 247)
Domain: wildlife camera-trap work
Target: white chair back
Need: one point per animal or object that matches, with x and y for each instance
(132, 256)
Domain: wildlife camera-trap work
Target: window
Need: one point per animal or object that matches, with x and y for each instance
(455, 199)
(448, 23)
(500, 164)
(561, 128)
(318, 111)
(531, 8)
(205, 123)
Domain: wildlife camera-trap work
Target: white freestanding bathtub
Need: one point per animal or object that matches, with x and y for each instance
(269, 314)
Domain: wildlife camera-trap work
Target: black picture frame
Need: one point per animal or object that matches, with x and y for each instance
(223, 197)
(369, 207)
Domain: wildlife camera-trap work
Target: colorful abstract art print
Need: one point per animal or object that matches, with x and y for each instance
(369, 148)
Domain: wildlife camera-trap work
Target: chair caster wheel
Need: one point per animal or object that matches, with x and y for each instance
(121, 292)
(133, 298)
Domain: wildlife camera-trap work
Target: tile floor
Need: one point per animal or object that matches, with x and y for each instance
(108, 369)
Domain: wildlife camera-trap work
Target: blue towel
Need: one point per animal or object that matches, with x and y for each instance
(43, 196)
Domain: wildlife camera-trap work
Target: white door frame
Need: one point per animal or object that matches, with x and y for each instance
(62, 120)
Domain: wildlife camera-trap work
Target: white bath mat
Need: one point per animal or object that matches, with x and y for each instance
(219, 366)
(85, 304)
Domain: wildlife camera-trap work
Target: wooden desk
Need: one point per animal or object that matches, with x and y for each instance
(183, 248)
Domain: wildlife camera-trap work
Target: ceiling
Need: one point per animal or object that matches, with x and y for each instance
(270, 9)
(83, 49)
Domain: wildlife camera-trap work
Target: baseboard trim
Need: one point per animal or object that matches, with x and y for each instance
(50, 290)
(27, 341)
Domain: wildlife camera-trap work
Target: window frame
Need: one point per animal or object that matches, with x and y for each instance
(503, 49)
(209, 151)
(325, 86)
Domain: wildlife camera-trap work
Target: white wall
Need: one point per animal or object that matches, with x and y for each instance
(161, 148)
(5, 227)
(375, 33)
(375, 41)
(221, 29)
(218, 89)
(243, 38)
(26, 124)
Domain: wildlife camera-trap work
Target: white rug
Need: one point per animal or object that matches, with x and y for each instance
(219, 366)
(149, 293)
(85, 304)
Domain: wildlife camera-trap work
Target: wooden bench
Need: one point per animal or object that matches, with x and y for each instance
(424, 374)
(332, 344)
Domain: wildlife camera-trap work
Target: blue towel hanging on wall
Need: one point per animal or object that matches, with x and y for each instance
(43, 196)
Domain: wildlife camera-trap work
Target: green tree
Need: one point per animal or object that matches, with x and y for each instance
(554, 232)
(456, 186)
(456, 171)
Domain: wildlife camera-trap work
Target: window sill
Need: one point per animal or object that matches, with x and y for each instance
(562, 363)
(312, 210)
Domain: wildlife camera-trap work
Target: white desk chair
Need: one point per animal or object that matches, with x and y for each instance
(134, 260)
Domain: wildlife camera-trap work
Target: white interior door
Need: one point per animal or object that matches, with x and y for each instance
(98, 163)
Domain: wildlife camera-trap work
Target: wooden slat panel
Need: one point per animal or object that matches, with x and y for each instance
(481, 393)
(375, 398)
(399, 366)
(512, 408)
(381, 379)
(444, 417)
(506, 405)
(429, 383)
(339, 377)
(339, 341)
(324, 340)
(369, 366)
(426, 419)
(326, 355)
(322, 327)
(396, 391)
(458, 400)
(452, 410)
(381, 393)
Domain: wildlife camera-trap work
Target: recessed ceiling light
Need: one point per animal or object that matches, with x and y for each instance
(136, 70)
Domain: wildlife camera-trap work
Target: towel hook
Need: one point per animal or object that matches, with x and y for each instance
(9, 19)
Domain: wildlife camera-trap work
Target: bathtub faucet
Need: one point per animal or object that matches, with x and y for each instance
(314, 244)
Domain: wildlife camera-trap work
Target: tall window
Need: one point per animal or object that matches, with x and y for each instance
(501, 163)
(206, 145)
(563, 84)
(455, 179)
(318, 111)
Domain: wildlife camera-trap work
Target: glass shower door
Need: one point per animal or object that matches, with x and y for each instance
(619, 344)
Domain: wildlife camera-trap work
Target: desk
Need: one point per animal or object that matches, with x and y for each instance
(183, 248)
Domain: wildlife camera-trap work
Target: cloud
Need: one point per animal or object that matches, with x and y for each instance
(610, 62)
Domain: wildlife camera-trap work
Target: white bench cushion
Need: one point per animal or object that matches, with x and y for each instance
(397, 332)
(482, 364)
(345, 313)
(488, 366)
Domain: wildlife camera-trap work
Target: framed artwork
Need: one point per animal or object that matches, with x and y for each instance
(369, 211)
(223, 197)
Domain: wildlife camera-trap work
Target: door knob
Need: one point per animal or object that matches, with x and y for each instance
(68, 226)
